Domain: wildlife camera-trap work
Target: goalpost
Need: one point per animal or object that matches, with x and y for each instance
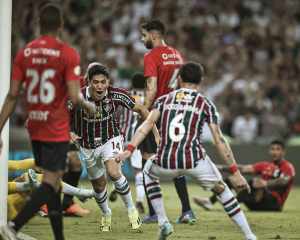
(5, 62)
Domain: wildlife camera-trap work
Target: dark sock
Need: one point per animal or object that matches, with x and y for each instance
(213, 199)
(181, 189)
(71, 178)
(39, 197)
(55, 216)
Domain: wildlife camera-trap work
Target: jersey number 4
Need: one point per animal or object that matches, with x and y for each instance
(177, 129)
(46, 91)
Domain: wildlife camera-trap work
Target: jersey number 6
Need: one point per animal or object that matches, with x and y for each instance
(177, 129)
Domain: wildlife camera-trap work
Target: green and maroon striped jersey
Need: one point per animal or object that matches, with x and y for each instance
(129, 120)
(183, 115)
(95, 130)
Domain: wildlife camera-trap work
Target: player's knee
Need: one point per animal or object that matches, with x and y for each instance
(218, 188)
(114, 174)
(74, 161)
(99, 184)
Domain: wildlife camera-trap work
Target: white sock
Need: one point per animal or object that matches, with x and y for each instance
(232, 208)
(122, 187)
(23, 186)
(154, 193)
(139, 186)
(74, 191)
(101, 199)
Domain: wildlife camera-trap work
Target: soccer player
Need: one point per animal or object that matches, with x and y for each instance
(100, 139)
(181, 115)
(49, 69)
(270, 186)
(161, 66)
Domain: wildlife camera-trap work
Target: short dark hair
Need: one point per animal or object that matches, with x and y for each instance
(50, 18)
(138, 81)
(154, 25)
(191, 72)
(96, 69)
(278, 142)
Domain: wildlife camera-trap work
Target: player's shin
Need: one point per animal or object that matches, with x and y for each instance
(140, 191)
(122, 187)
(101, 199)
(154, 193)
(232, 208)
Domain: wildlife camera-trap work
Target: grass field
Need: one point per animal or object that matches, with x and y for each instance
(211, 225)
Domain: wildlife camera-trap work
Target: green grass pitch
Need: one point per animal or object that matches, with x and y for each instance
(210, 225)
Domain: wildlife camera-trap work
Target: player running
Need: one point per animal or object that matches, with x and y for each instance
(161, 66)
(181, 115)
(100, 139)
(50, 70)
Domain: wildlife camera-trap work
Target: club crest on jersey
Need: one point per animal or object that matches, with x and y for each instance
(107, 106)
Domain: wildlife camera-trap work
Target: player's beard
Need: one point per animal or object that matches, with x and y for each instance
(149, 44)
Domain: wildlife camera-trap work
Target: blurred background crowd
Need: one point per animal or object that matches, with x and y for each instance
(250, 50)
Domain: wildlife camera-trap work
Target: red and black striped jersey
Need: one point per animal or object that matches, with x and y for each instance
(128, 119)
(183, 115)
(95, 130)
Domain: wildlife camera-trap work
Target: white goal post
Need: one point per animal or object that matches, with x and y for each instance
(5, 66)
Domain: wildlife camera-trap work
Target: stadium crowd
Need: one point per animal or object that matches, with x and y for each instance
(250, 50)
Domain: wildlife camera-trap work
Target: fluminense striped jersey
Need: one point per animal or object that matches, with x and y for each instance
(128, 119)
(95, 130)
(183, 115)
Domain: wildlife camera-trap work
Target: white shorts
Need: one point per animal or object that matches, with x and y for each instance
(205, 173)
(93, 159)
(136, 159)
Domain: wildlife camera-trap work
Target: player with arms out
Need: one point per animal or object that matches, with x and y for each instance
(49, 69)
(181, 115)
(161, 66)
(270, 184)
(100, 139)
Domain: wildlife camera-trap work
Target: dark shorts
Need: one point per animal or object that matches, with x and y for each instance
(149, 144)
(267, 203)
(73, 147)
(51, 156)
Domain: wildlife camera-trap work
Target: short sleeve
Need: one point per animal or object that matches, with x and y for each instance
(123, 98)
(17, 71)
(212, 115)
(288, 170)
(150, 67)
(158, 104)
(259, 167)
(72, 62)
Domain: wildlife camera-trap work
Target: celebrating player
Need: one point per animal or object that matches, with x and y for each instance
(181, 115)
(269, 188)
(100, 139)
(49, 69)
(161, 66)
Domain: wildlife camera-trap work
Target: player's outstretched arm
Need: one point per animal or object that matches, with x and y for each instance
(139, 135)
(9, 105)
(143, 111)
(77, 98)
(224, 150)
(151, 91)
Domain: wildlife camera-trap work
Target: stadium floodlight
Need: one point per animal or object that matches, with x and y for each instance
(5, 62)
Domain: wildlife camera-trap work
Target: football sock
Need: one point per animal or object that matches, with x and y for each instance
(150, 207)
(181, 189)
(39, 197)
(78, 192)
(140, 191)
(154, 193)
(122, 187)
(55, 215)
(14, 165)
(14, 187)
(232, 208)
(101, 199)
(72, 178)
